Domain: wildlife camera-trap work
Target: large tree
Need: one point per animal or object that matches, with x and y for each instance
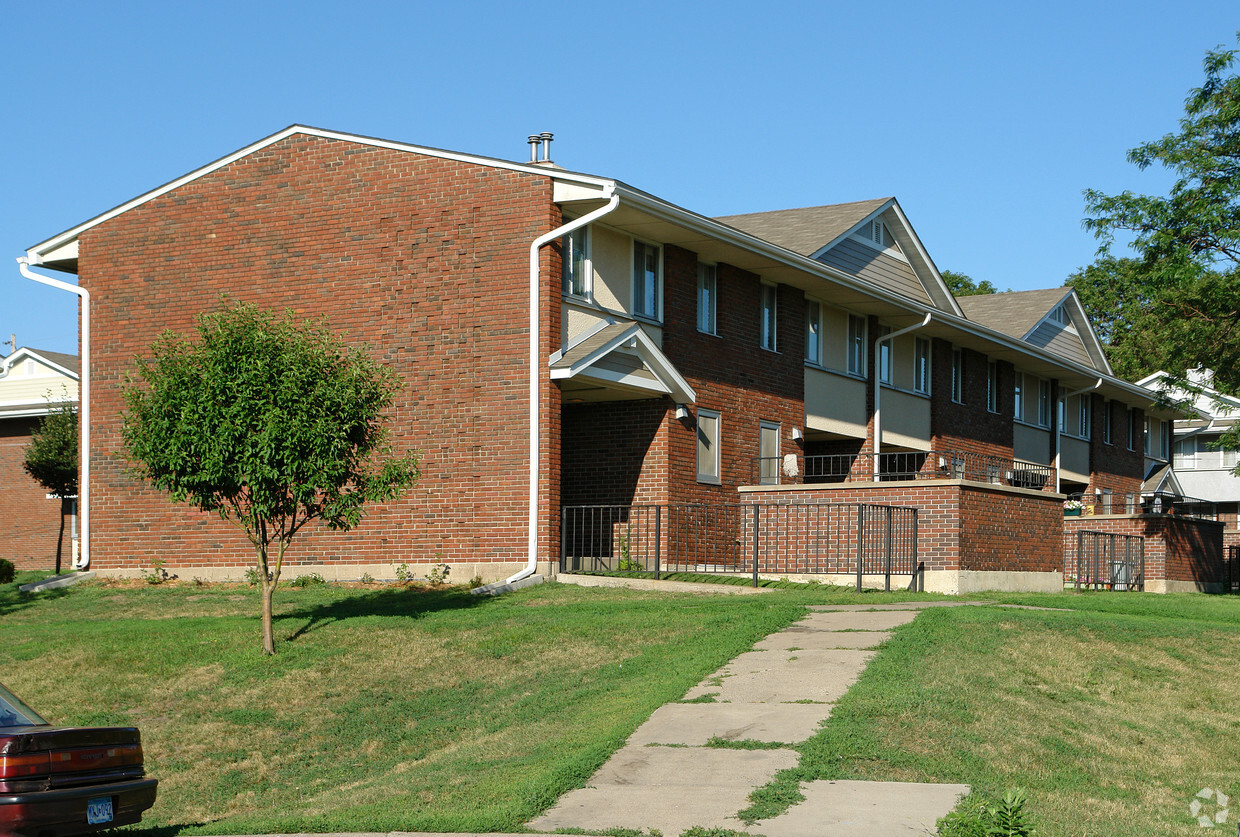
(961, 284)
(52, 459)
(1177, 305)
(269, 423)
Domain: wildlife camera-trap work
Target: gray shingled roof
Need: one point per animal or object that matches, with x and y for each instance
(807, 230)
(1013, 313)
(70, 362)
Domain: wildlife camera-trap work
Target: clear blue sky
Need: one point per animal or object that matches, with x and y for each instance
(986, 120)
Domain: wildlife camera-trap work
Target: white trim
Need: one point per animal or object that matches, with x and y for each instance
(717, 477)
(669, 380)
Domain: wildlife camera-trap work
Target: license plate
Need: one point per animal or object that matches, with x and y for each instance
(99, 810)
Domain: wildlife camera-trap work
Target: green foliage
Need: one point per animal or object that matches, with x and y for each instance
(308, 580)
(1176, 306)
(438, 574)
(367, 578)
(404, 575)
(7, 571)
(1010, 819)
(52, 455)
(252, 576)
(156, 574)
(961, 285)
(267, 422)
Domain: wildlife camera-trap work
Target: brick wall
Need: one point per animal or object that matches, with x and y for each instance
(1112, 465)
(421, 260)
(970, 426)
(1176, 548)
(29, 522)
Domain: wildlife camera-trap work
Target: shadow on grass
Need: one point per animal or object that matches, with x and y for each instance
(411, 602)
(13, 600)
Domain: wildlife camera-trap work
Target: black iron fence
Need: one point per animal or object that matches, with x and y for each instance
(1109, 561)
(1233, 568)
(1150, 502)
(861, 540)
(902, 465)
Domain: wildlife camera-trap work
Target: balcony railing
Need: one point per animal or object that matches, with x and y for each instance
(1151, 502)
(902, 465)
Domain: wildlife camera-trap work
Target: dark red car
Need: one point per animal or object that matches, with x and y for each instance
(67, 780)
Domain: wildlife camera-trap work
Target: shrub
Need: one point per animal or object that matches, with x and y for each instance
(7, 571)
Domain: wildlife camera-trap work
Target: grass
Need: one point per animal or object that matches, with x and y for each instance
(386, 709)
(1112, 715)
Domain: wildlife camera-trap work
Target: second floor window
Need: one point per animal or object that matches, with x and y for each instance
(1108, 417)
(769, 301)
(706, 298)
(992, 387)
(813, 332)
(856, 344)
(958, 376)
(1018, 398)
(646, 280)
(1083, 415)
(884, 354)
(574, 277)
(1132, 429)
(921, 365)
(1044, 403)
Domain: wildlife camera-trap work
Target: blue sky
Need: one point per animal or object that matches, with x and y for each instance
(986, 120)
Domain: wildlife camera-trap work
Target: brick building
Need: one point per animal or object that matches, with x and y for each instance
(675, 358)
(30, 521)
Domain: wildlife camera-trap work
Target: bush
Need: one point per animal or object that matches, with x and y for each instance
(7, 571)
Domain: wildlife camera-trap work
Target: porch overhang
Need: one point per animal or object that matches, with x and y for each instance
(617, 361)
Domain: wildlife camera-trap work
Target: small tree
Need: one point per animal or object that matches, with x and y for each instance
(52, 459)
(270, 424)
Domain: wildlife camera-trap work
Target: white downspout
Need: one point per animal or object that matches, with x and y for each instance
(23, 264)
(877, 374)
(1064, 398)
(536, 368)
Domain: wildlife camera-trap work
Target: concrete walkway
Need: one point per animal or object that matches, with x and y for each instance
(665, 777)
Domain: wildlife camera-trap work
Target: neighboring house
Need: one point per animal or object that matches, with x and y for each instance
(677, 359)
(30, 381)
(1200, 468)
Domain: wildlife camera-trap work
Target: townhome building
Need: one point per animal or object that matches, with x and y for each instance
(32, 382)
(571, 345)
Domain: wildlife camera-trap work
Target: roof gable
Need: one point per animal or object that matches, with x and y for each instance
(1050, 318)
(871, 240)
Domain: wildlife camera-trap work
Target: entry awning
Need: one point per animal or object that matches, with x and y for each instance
(620, 357)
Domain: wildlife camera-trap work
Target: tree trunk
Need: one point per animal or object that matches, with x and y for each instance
(60, 537)
(268, 588)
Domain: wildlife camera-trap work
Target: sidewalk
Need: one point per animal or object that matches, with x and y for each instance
(666, 778)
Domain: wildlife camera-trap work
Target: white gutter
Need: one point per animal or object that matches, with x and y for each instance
(1064, 398)
(876, 375)
(536, 367)
(23, 264)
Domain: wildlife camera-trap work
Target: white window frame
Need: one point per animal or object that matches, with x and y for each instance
(707, 294)
(813, 332)
(1018, 396)
(1186, 457)
(769, 466)
(1044, 403)
(857, 344)
(1148, 445)
(1132, 429)
(884, 351)
(1084, 415)
(577, 241)
(640, 250)
(769, 313)
(921, 365)
(958, 376)
(709, 471)
(992, 386)
(1108, 416)
(1164, 441)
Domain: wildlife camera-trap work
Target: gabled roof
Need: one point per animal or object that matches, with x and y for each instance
(1026, 315)
(823, 232)
(65, 364)
(621, 353)
(1207, 403)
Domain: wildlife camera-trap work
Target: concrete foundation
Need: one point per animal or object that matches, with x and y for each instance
(458, 573)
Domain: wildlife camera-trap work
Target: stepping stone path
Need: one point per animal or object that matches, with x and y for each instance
(666, 778)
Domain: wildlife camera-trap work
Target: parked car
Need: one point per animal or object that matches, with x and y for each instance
(67, 780)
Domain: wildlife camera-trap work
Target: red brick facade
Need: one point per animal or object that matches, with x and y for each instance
(31, 521)
(1177, 549)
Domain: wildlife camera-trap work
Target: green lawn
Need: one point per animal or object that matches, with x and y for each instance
(406, 709)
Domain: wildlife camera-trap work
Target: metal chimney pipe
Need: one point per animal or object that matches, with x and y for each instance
(533, 141)
(546, 146)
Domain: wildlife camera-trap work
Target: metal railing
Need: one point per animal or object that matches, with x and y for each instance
(1152, 502)
(1109, 561)
(856, 539)
(1233, 568)
(902, 465)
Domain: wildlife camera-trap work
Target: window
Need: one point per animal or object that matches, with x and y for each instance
(1164, 441)
(1044, 403)
(813, 332)
(708, 446)
(1060, 315)
(958, 376)
(646, 280)
(706, 298)
(769, 301)
(1147, 435)
(884, 354)
(856, 344)
(921, 365)
(1229, 458)
(1132, 429)
(575, 273)
(992, 387)
(1083, 415)
(1018, 396)
(1186, 453)
(1108, 415)
(768, 453)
